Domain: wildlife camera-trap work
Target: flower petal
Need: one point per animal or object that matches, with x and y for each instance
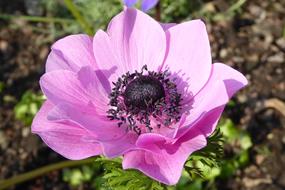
(55, 61)
(97, 86)
(71, 53)
(101, 128)
(134, 39)
(208, 104)
(130, 3)
(153, 142)
(148, 4)
(189, 56)
(166, 26)
(113, 139)
(166, 164)
(78, 89)
(64, 138)
(118, 147)
(105, 55)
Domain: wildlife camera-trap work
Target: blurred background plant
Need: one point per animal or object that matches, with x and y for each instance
(28, 106)
(96, 14)
(41, 22)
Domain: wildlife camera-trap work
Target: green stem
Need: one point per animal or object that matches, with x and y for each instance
(41, 171)
(36, 18)
(237, 5)
(230, 12)
(79, 18)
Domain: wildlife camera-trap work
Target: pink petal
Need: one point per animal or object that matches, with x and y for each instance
(64, 138)
(96, 85)
(71, 53)
(105, 55)
(153, 142)
(80, 99)
(118, 147)
(167, 26)
(189, 56)
(167, 163)
(113, 140)
(168, 131)
(101, 128)
(134, 39)
(55, 61)
(78, 89)
(209, 103)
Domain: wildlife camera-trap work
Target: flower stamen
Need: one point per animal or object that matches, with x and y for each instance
(138, 98)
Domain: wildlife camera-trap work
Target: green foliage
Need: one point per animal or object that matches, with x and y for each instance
(213, 152)
(97, 12)
(203, 162)
(208, 164)
(78, 176)
(1, 86)
(239, 139)
(53, 8)
(116, 178)
(176, 11)
(80, 19)
(231, 104)
(234, 135)
(28, 106)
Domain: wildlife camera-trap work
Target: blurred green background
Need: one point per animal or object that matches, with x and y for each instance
(248, 35)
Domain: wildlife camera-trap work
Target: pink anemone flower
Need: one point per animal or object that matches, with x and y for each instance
(141, 90)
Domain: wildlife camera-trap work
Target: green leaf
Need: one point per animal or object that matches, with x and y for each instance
(28, 106)
(196, 185)
(228, 129)
(205, 162)
(231, 103)
(243, 158)
(117, 178)
(245, 141)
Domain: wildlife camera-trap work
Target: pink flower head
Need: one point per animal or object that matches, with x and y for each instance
(141, 90)
(146, 4)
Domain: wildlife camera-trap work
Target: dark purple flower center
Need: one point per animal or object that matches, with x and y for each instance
(143, 92)
(143, 100)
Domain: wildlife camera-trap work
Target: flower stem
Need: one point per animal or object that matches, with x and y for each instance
(41, 171)
(36, 18)
(79, 18)
(237, 5)
(158, 12)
